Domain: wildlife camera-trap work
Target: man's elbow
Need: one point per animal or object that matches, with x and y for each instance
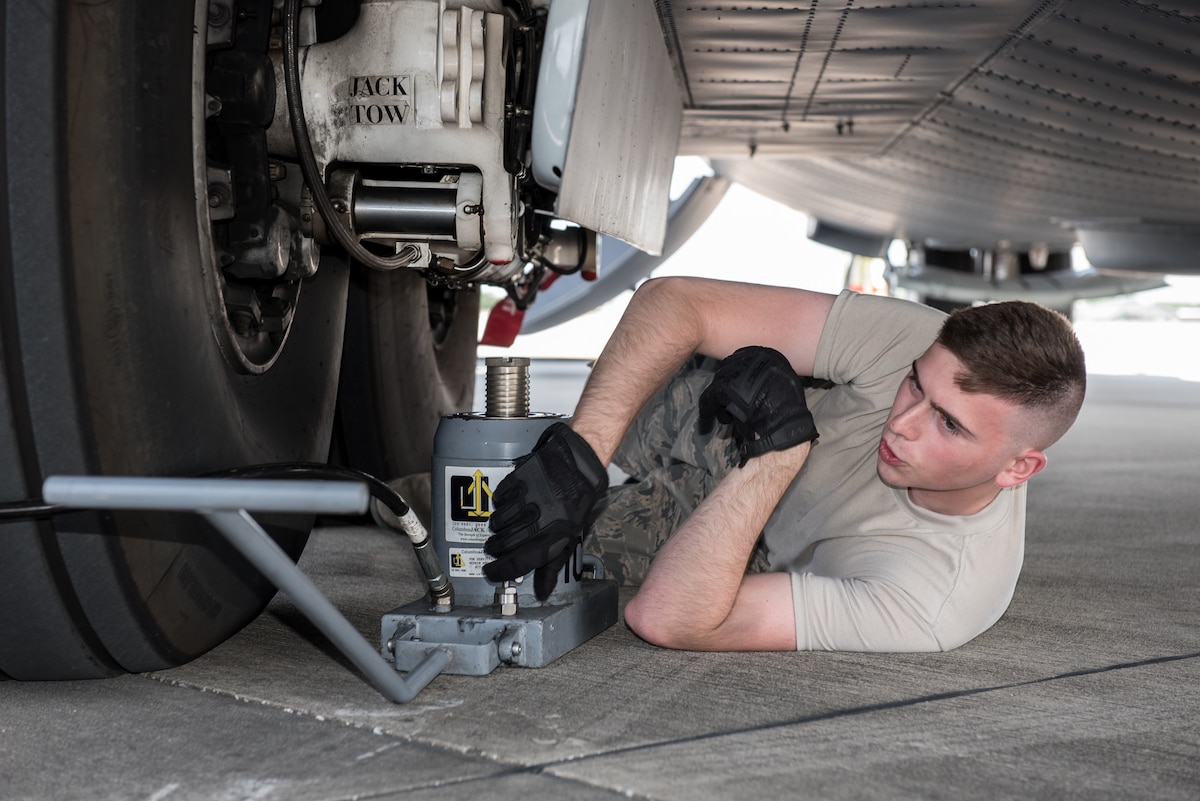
(640, 621)
(671, 297)
(649, 623)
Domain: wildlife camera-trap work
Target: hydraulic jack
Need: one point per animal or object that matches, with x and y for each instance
(486, 625)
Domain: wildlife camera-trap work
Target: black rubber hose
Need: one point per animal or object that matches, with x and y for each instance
(378, 489)
(18, 511)
(440, 589)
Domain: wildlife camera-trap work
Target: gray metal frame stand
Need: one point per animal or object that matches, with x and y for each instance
(227, 503)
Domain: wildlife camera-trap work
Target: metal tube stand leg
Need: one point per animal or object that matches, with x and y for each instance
(226, 503)
(262, 551)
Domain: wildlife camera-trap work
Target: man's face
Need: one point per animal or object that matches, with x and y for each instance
(945, 445)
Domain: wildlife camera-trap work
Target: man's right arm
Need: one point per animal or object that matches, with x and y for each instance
(668, 320)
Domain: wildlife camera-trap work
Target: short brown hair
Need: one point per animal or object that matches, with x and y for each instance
(1024, 353)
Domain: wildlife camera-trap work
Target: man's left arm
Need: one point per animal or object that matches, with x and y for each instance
(697, 595)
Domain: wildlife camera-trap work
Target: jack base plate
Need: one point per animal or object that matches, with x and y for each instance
(480, 639)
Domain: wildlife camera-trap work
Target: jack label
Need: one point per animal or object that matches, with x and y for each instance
(469, 501)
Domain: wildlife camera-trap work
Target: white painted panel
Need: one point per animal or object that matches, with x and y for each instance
(624, 128)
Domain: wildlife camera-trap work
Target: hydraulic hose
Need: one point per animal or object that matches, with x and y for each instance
(17, 511)
(440, 589)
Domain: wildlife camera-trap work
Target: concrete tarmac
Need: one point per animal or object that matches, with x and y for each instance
(1088, 687)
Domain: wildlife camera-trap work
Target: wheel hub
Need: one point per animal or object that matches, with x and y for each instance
(255, 251)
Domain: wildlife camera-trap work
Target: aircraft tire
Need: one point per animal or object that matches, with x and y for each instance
(409, 359)
(109, 363)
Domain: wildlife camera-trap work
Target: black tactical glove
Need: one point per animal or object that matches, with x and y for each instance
(542, 507)
(756, 391)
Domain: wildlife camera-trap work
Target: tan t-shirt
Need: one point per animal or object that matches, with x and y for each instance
(870, 570)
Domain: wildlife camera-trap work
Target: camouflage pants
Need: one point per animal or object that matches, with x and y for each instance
(672, 468)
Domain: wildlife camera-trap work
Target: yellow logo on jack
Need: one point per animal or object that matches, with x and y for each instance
(470, 497)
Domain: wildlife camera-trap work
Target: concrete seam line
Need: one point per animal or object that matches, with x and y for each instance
(864, 710)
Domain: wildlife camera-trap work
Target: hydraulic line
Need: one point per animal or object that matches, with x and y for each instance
(18, 511)
(440, 588)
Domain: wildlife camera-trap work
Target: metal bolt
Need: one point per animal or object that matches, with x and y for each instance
(391, 646)
(515, 650)
(506, 599)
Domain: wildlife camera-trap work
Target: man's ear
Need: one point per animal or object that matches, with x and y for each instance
(1022, 468)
